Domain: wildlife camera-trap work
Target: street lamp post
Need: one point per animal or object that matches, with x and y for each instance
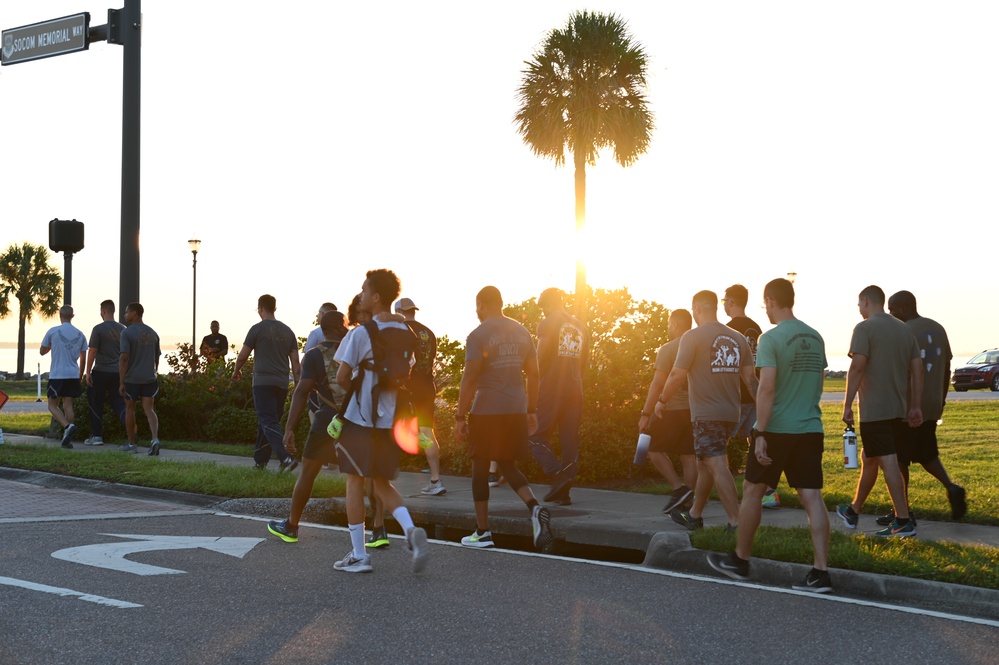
(194, 244)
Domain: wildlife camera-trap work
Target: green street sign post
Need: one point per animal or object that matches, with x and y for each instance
(46, 39)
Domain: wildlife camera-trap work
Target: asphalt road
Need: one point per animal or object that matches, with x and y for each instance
(284, 603)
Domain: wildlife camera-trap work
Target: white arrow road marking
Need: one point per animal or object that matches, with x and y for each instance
(90, 598)
(112, 555)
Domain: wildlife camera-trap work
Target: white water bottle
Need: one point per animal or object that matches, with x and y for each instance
(642, 448)
(849, 448)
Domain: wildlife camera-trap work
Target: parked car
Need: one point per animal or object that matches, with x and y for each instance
(982, 371)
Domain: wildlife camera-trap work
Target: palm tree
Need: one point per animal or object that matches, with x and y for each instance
(584, 90)
(25, 274)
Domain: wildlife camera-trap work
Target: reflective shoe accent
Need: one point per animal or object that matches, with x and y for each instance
(541, 523)
(478, 539)
(496, 480)
(351, 564)
(67, 436)
(844, 513)
(434, 489)
(129, 448)
(289, 464)
(958, 503)
(417, 541)
(771, 499)
(677, 498)
(683, 518)
(378, 539)
(283, 531)
(897, 530)
(816, 581)
(94, 441)
(726, 564)
(154, 448)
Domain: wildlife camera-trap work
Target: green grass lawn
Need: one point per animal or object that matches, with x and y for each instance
(22, 391)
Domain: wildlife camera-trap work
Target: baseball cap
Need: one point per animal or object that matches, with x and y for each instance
(405, 305)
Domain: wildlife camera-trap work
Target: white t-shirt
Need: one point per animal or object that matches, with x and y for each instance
(67, 343)
(312, 341)
(354, 349)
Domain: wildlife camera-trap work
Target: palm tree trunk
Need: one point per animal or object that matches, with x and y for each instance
(580, 297)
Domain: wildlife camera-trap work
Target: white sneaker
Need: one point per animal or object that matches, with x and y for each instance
(94, 441)
(351, 564)
(417, 539)
(434, 489)
(478, 539)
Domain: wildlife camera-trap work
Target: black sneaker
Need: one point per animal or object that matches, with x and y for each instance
(958, 504)
(378, 539)
(679, 496)
(495, 480)
(889, 518)
(816, 581)
(67, 436)
(289, 464)
(727, 564)
(683, 518)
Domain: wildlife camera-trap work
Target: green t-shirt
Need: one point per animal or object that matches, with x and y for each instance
(713, 354)
(799, 354)
(889, 346)
(934, 348)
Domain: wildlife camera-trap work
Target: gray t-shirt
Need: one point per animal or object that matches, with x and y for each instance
(504, 347)
(665, 359)
(889, 346)
(273, 343)
(934, 348)
(142, 345)
(105, 338)
(713, 354)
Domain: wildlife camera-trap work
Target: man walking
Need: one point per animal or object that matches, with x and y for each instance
(711, 360)
(919, 444)
(788, 437)
(138, 365)
(68, 346)
(103, 355)
(888, 373)
(424, 393)
(499, 354)
(367, 446)
(274, 346)
(672, 433)
(562, 347)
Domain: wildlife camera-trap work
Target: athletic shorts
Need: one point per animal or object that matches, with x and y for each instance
(797, 456)
(880, 437)
(747, 418)
(424, 403)
(672, 434)
(64, 388)
(917, 445)
(711, 437)
(135, 391)
(500, 437)
(319, 445)
(367, 452)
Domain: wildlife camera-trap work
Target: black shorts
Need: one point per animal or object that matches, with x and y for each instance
(797, 456)
(917, 444)
(500, 437)
(367, 452)
(424, 403)
(880, 437)
(672, 434)
(319, 445)
(64, 388)
(136, 391)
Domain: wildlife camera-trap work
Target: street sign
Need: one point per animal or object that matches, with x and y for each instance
(46, 39)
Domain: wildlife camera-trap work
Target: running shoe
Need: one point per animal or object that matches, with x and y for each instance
(351, 564)
(677, 498)
(731, 528)
(816, 581)
(67, 436)
(541, 523)
(495, 480)
(289, 464)
(560, 499)
(154, 448)
(887, 519)
(129, 448)
(94, 441)
(435, 488)
(897, 530)
(417, 541)
(477, 539)
(684, 519)
(561, 482)
(849, 517)
(378, 539)
(282, 530)
(771, 499)
(958, 503)
(727, 564)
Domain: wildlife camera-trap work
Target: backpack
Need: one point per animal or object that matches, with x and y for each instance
(329, 350)
(392, 351)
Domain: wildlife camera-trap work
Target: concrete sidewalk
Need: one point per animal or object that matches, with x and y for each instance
(626, 526)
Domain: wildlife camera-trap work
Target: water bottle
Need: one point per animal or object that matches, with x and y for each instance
(642, 448)
(335, 428)
(849, 448)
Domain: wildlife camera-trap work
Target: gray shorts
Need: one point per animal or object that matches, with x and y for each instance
(711, 437)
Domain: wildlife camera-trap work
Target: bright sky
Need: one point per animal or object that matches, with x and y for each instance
(849, 142)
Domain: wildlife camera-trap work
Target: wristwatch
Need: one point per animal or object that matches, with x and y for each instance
(754, 433)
